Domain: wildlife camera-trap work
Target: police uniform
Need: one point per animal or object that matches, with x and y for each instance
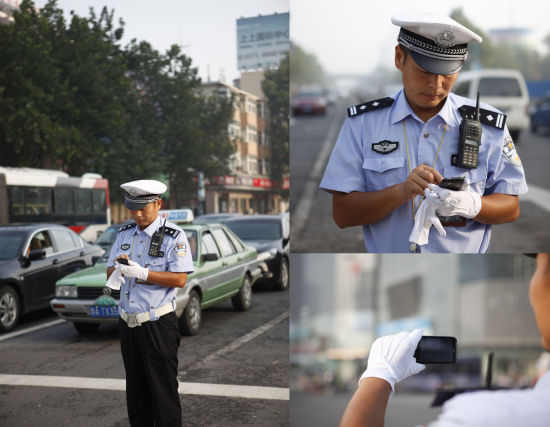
(382, 141)
(148, 326)
(502, 408)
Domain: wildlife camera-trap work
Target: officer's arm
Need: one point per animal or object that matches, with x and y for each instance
(498, 208)
(110, 271)
(367, 407)
(167, 279)
(361, 208)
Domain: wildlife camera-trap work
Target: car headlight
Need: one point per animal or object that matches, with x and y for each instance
(66, 291)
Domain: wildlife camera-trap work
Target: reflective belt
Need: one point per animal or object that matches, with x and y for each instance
(136, 319)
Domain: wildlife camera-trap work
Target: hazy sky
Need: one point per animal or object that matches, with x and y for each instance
(207, 29)
(354, 36)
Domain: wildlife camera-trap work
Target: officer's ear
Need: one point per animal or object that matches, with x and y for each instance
(399, 57)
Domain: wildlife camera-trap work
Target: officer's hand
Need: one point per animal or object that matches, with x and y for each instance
(391, 357)
(133, 269)
(123, 256)
(419, 178)
(463, 203)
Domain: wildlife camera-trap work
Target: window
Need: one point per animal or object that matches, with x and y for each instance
(41, 240)
(98, 200)
(63, 201)
(225, 245)
(499, 86)
(192, 240)
(77, 240)
(17, 201)
(38, 201)
(63, 240)
(209, 245)
(83, 201)
(236, 243)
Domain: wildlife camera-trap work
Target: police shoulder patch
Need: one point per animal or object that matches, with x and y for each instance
(509, 151)
(179, 249)
(370, 106)
(171, 231)
(127, 227)
(487, 117)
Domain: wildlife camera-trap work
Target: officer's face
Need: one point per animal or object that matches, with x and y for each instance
(539, 294)
(144, 217)
(425, 91)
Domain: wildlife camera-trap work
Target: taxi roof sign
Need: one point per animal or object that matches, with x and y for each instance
(177, 215)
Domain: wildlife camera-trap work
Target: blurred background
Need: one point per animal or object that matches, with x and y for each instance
(342, 302)
(342, 54)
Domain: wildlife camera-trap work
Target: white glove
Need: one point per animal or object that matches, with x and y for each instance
(133, 269)
(391, 357)
(115, 279)
(464, 203)
(425, 217)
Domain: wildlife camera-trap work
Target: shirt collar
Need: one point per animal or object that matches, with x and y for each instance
(151, 228)
(401, 110)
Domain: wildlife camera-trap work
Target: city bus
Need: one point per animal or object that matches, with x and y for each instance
(42, 195)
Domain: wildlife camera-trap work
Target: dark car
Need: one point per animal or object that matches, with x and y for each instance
(32, 258)
(310, 102)
(213, 218)
(270, 235)
(540, 115)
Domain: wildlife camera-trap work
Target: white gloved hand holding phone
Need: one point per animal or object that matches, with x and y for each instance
(464, 202)
(133, 269)
(391, 357)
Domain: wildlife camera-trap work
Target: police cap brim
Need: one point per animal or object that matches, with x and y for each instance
(436, 66)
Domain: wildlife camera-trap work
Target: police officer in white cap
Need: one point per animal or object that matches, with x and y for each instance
(391, 361)
(153, 259)
(391, 149)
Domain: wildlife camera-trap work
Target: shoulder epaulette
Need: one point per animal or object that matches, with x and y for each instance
(171, 231)
(370, 106)
(487, 117)
(127, 227)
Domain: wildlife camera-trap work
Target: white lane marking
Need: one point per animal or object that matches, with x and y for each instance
(537, 195)
(223, 390)
(28, 330)
(245, 338)
(304, 205)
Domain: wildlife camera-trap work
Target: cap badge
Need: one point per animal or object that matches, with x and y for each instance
(445, 39)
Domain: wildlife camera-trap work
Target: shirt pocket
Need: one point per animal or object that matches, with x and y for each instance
(477, 177)
(381, 172)
(158, 264)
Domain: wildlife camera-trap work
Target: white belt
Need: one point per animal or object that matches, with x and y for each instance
(136, 319)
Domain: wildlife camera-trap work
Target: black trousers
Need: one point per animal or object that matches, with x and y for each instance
(150, 355)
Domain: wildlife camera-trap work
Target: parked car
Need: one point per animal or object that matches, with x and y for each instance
(214, 218)
(309, 102)
(224, 268)
(107, 238)
(504, 90)
(540, 115)
(32, 258)
(270, 235)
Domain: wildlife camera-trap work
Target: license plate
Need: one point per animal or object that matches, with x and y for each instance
(103, 310)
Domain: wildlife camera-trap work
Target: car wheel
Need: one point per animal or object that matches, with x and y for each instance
(242, 301)
(10, 308)
(190, 320)
(281, 283)
(86, 328)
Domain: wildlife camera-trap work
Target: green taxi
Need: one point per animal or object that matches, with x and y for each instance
(224, 268)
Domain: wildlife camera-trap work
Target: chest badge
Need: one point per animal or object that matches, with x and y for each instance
(125, 246)
(385, 147)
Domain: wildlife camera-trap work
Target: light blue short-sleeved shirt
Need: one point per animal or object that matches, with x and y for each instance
(355, 165)
(177, 258)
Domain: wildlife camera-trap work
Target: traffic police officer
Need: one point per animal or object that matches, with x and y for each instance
(390, 149)
(391, 360)
(158, 261)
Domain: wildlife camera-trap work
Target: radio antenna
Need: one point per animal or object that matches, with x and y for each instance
(477, 108)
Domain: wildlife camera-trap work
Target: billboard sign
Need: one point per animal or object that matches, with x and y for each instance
(262, 41)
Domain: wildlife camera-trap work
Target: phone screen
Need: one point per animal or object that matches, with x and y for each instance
(436, 350)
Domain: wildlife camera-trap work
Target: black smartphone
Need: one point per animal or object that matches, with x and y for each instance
(452, 183)
(122, 261)
(436, 350)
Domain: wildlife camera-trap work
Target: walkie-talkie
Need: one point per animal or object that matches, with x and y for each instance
(156, 241)
(469, 141)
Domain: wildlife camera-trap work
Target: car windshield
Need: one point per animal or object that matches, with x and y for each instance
(107, 237)
(499, 86)
(256, 230)
(11, 244)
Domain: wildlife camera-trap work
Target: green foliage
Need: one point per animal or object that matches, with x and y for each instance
(72, 98)
(305, 68)
(276, 89)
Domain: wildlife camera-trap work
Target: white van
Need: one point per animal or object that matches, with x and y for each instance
(503, 89)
